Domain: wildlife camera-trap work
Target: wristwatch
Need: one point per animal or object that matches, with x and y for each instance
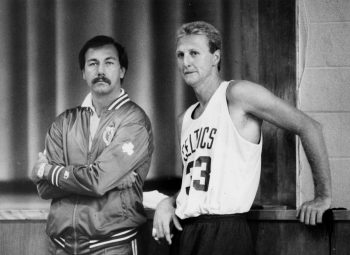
(41, 170)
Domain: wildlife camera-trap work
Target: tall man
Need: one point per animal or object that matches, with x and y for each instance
(98, 156)
(221, 153)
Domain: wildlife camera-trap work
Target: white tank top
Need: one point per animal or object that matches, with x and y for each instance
(221, 168)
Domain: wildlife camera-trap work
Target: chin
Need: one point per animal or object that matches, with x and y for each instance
(191, 83)
(102, 91)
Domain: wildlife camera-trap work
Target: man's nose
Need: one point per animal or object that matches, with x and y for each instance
(187, 60)
(101, 69)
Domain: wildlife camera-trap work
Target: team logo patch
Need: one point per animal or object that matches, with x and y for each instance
(66, 175)
(108, 134)
(128, 148)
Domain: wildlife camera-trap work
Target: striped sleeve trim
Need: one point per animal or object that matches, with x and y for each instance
(54, 174)
(59, 241)
(134, 247)
(118, 238)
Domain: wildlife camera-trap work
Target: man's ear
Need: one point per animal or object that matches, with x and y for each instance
(216, 57)
(83, 72)
(122, 72)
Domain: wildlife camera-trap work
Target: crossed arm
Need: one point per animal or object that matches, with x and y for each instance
(113, 168)
(46, 190)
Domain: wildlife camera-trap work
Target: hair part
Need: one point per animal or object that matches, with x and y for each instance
(99, 41)
(202, 28)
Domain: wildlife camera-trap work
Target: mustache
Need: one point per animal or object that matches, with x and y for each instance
(101, 78)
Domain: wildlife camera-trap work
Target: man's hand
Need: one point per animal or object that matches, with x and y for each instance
(164, 217)
(127, 181)
(311, 212)
(40, 162)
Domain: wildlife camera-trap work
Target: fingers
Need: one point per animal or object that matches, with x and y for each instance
(167, 234)
(177, 223)
(163, 221)
(305, 214)
(319, 217)
(310, 213)
(42, 157)
(154, 234)
(157, 230)
(131, 180)
(161, 229)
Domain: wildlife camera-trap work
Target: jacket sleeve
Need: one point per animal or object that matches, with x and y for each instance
(48, 191)
(129, 150)
(55, 155)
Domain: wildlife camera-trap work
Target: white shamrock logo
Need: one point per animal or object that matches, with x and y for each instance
(128, 148)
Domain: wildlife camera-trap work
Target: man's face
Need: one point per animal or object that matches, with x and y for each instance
(102, 70)
(194, 60)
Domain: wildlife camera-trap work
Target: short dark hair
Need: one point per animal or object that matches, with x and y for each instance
(99, 41)
(202, 28)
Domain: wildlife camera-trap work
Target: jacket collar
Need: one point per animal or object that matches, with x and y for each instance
(116, 104)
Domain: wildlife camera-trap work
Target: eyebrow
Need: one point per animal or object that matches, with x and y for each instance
(111, 58)
(95, 59)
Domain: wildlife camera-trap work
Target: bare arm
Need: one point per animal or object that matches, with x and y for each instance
(258, 101)
(164, 216)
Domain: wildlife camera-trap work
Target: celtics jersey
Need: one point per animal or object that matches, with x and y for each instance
(221, 168)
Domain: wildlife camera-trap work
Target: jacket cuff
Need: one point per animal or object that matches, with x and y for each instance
(54, 174)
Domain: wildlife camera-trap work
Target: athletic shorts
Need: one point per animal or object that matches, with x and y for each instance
(213, 234)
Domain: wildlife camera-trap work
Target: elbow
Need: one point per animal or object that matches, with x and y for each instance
(317, 126)
(310, 127)
(44, 196)
(97, 191)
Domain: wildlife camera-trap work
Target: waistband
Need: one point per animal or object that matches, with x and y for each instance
(96, 244)
(215, 218)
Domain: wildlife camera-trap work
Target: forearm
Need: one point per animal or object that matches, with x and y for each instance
(316, 152)
(96, 179)
(48, 191)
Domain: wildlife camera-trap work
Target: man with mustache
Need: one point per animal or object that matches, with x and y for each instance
(221, 143)
(96, 160)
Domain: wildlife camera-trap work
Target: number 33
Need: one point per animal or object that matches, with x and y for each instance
(204, 164)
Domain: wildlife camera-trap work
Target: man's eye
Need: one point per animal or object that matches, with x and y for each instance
(110, 63)
(180, 55)
(92, 64)
(194, 53)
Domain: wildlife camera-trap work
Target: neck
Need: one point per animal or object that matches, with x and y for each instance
(101, 102)
(206, 90)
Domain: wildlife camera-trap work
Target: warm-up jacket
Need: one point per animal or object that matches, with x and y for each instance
(88, 211)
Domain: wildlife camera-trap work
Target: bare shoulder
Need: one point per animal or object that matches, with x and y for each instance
(240, 93)
(238, 97)
(240, 90)
(249, 95)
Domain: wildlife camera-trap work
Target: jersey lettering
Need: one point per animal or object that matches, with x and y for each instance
(202, 138)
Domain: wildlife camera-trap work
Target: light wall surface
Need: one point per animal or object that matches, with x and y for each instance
(324, 89)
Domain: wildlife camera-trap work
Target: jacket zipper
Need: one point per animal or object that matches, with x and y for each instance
(77, 197)
(74, 224)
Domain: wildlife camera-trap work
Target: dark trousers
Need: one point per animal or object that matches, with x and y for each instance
(213, 234)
